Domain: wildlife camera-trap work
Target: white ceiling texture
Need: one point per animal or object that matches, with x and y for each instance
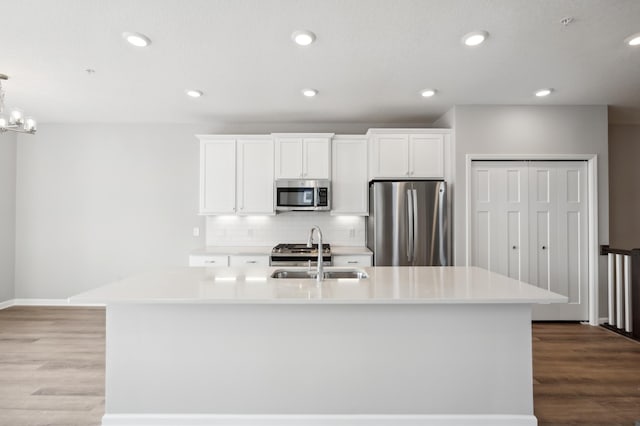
(369, 62)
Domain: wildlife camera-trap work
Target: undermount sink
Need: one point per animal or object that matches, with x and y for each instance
(328, 275)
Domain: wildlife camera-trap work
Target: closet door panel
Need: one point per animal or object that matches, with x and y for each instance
(499, 214)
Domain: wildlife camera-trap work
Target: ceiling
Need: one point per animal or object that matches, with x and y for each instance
(369, 62)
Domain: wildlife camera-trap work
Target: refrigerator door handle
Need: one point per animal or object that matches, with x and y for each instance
(414, 218)
(410, 244)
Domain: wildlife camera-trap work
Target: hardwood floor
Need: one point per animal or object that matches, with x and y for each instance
(584, 375)
(52, 370)
(51, 366)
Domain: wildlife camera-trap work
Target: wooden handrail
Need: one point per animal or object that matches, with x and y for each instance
(605, 250)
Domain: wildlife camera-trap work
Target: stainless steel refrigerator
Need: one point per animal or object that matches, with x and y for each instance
(408, 223)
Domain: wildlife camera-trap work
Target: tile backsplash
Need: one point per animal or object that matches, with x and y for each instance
(290, 227)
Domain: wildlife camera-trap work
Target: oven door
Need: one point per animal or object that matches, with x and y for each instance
(310, 261)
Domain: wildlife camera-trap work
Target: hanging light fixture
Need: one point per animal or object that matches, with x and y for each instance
(16, 121)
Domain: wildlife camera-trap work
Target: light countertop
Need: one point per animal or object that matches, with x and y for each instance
(350, 250)
(266, 250)
(385, 285)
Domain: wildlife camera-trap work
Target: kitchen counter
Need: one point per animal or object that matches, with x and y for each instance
(392, 285)
(350, 250)
(408, 346)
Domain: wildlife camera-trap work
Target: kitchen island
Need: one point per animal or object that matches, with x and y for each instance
(405, 346)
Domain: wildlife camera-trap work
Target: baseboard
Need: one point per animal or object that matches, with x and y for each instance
(44, 302)
(317, 420)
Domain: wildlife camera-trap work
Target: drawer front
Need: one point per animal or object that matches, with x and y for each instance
(210, 261)
(241, 260)
(358, 260)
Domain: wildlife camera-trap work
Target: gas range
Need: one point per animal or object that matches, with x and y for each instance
(299, 255)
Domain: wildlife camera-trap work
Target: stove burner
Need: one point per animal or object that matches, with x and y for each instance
(300, 248)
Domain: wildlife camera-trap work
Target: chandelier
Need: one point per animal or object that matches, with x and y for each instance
(16, 122)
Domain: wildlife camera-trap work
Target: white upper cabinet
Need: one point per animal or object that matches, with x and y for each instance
(349, 177)
(426, 156)
(289, 158)
(316, 157)
(391, 156)
(217, 176)
(302, 156)
(236, 175)
(407, 155)
(255, 176)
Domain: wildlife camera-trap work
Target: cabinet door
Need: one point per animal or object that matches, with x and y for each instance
(426, 156)
(288, 162)
(351, 260)
(217, 177)
(316, 154)
(349, 185)
(390, 156)
(255, 176)
(212, 261)
(247, 260)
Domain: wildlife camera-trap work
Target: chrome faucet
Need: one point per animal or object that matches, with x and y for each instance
(320, 251)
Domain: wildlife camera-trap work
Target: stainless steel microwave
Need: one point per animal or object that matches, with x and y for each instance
(303, 195)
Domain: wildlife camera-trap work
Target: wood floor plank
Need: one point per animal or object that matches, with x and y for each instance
(51, 366)
(52, 370)
(584, 375)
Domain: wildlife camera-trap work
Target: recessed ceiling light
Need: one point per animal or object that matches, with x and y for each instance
(475, 38)
(427, 93)
(303, 37)
(309, 93)
(136, 39)
(543, 92)
(193, 93)
(633, 40)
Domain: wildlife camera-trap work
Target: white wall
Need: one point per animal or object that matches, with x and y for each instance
(100, 202)
(7, 214)
(532, 130)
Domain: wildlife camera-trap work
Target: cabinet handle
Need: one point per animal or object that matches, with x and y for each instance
(514, 247)
(251, 261)
(209, 261)
(544, 247)
(407, 173)
(352, 261)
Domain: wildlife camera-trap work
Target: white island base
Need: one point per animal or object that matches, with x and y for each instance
(338, 364)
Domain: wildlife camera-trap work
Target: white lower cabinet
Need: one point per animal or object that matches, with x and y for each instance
(209, 260)
(351, 260)
(248, 260)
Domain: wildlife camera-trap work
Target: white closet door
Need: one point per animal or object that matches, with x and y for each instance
(558, 197)
(500, 216)
(529, 222)
(542, 226)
